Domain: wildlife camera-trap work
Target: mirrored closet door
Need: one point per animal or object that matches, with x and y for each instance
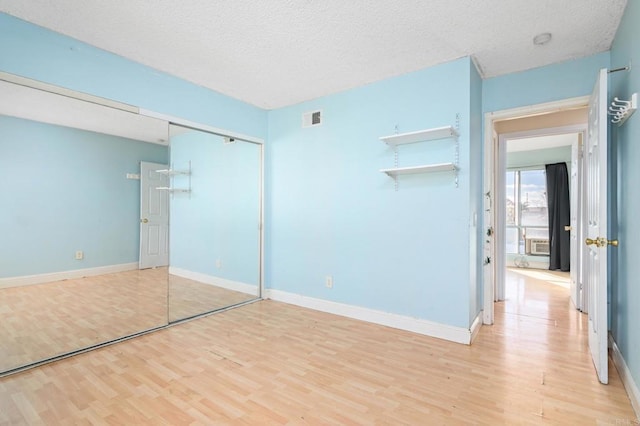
(70, 276)
(215, 238)
(115, 222)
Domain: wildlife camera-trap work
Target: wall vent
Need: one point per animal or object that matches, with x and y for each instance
(313, 118)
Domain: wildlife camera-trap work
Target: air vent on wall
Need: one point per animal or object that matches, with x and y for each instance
(313, 118)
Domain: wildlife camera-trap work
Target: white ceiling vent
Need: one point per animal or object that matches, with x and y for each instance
(313, 118)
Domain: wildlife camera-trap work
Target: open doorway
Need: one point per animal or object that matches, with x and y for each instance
(541, 183)
(520, 144)
(539, 197)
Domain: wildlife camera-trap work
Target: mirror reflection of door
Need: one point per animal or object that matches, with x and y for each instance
(154, 215)
(215, 243)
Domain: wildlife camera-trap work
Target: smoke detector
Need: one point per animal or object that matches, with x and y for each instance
(542, 39)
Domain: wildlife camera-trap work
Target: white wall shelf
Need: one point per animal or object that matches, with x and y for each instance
(173, 190)
(436, 133)
(429, 168)
(421, 136)
(172, 173)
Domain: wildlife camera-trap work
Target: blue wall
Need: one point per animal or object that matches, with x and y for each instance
(625, 295)
(66, 190)
(44, 55)
(331, 212)
(546, 84)
(219, 219)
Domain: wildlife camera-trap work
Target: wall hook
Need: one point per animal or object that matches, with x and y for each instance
(621, 110)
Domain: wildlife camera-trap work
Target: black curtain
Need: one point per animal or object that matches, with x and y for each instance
(559, 216)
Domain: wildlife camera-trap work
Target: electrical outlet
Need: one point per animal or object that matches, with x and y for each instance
(219, 263)
(328, 281)
(79, 255)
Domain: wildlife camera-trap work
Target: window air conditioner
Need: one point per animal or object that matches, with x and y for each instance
(537, 247)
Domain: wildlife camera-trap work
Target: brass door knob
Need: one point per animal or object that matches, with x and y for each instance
(601, 242)
(145, 220)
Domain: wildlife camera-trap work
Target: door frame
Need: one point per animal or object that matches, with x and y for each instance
(492, 169)
(500, 199)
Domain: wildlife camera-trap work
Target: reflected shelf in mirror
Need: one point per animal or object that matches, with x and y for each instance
(172, 173)
(215, 238)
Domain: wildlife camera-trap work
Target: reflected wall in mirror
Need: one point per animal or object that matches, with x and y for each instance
(215, 237)
(70, 226)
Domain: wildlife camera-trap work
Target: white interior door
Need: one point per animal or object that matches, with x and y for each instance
(154, 216)
(501, 223)
(596, 203)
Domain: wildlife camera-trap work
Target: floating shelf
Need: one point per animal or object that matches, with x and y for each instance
(429, 168)
(166, 188)
(420, 136)
(171, 172)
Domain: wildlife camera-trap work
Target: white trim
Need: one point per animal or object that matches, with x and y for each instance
(476, 325)
(66, 275)
(490, 161)
(213, 280)
(625, 375)
(63, 91)
(199, 126)
(402, 322)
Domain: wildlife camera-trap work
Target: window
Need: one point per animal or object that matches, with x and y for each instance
(527, 215)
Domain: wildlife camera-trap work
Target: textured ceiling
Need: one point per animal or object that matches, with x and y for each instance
(274, 53)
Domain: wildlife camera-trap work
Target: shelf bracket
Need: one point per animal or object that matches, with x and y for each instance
(172, 173)
(395, 164)
(456, 159)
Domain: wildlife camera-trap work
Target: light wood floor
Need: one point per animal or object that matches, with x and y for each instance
(188, 297)
(272, 363)
(44, 320)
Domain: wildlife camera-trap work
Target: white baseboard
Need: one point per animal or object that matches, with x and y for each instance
(416, 325)
(213, 280)
(625, 375)
(475, 326)
(66, 275)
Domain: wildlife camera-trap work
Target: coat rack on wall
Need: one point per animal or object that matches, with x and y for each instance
(621, 110)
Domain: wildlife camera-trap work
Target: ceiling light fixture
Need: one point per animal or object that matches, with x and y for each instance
(542, 39)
